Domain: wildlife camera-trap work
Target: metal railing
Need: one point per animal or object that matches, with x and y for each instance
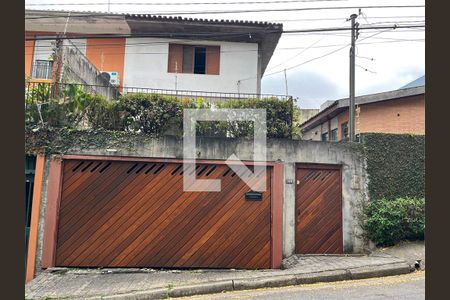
(40, 94)
(55, 90)
(42, 69)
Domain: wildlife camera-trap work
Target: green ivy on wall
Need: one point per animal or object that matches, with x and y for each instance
(395, 165)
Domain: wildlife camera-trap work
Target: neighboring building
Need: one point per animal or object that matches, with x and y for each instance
(398, 111)
(164, 52)
(306, 114)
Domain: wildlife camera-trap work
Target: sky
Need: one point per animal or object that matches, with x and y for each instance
(316, 69)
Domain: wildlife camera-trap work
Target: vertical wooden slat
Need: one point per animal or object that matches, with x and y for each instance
(213, 60)
(36, 206)
(277, 216)
(175, 64)
(51, 215)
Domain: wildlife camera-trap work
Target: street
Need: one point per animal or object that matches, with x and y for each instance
(409, 286)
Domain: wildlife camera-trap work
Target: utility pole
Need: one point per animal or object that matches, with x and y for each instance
(352, 78)
(286, 83)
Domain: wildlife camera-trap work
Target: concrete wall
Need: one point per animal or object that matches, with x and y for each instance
(288, 152)
(146, 62)
(76, 68)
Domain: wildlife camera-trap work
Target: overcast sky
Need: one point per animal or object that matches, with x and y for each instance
(392, 58)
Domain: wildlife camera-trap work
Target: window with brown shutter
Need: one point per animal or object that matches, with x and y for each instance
(194, 59)
(175, 58)
(212, 60)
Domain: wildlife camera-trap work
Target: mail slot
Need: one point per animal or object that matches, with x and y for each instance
(253, 196)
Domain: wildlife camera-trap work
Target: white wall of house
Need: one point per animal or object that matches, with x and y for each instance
(43, 49)
(313, 134)
(334, 123)
(146, 63)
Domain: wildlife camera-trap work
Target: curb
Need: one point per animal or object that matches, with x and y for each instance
(264, 282)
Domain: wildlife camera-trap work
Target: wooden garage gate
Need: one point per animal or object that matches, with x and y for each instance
(135, 214)
(318, 209)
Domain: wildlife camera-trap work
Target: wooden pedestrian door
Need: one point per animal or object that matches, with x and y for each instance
(135, 214)
(318, 210)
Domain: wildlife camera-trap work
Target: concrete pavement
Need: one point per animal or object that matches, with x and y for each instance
(410, 286)
(156, 284)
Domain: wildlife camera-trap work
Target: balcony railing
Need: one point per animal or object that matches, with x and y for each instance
(42, 69)
(54, 90)
(41, 99)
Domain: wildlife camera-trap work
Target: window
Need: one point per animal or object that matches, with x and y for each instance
(334, 136)
(194, 59)
(325, 137)
(344, 131)
(42, 69)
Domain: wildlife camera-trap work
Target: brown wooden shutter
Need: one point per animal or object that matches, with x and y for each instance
(213, 60)
(175, 58)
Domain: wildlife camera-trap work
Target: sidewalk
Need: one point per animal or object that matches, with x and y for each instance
(157, 284)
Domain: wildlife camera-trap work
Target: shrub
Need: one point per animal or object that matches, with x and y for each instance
(152, 114)
(395, 165)
(390, 221)
(279, 115)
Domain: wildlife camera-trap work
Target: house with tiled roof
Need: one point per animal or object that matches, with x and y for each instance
(155, 51)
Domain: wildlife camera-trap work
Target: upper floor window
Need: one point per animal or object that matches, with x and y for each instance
(324, 137)
(344, 131)
(334, 135)
(42, 69)
(194, 59)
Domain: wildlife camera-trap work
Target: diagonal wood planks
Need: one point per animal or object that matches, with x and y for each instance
(318, 210)
(135, 214)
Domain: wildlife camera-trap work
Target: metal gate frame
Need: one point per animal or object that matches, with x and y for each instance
(55, 188)
(320, 167)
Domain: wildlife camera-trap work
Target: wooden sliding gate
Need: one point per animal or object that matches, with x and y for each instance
(135, 214)
(318, 210)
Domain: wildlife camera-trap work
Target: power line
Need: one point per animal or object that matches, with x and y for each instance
(338, 19)
(232, 51)
(301, 52)
(242, 11)
(294, 20)
(206, 34)
(313, 59)
(179, 3)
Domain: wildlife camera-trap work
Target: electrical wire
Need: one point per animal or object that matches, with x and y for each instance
(301, 52)
(238, 51)
(206, 34)
(312, 59)
(179, 3)
(241, 11)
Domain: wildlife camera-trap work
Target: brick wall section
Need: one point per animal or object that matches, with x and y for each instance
(406, 115)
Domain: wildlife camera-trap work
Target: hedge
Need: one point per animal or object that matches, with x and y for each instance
(152, 114)
(395, 165)
(389, 221)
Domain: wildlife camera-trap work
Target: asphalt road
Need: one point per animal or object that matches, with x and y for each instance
(409, 286)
